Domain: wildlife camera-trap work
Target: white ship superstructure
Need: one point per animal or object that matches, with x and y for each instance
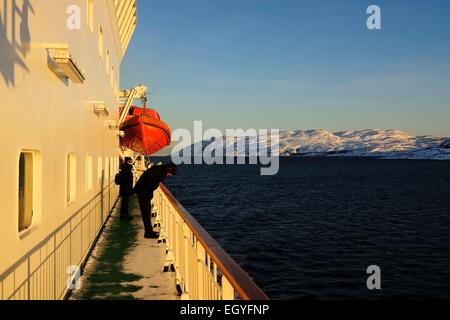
(59, 89)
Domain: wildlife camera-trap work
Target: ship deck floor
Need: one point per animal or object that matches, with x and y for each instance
(123, 265)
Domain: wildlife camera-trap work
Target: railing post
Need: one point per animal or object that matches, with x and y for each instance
(163, 220)
(28, 280)
(170, 259)
(216, 293)
(200, 270)
(102, 203)
(209, 285)
(54, 267)
(186, 276)
(109, 197)
(176, 252)
(70, 244)
(81, 233)
(227, 289)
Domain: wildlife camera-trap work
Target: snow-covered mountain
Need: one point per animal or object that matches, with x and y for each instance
(445, 144)
(441, 152)
(375, 142)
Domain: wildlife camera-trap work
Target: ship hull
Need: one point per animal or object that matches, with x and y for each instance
(58, 171)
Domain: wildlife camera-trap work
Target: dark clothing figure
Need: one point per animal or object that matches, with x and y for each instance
(126, 179)
(147, 184)
(150, 180)
(126, 188)
(145, 205)
(124, 207)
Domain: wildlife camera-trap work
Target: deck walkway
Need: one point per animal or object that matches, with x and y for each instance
(124, 265)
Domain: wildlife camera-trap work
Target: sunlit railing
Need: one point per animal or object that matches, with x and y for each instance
(204, 271)
(46, 271)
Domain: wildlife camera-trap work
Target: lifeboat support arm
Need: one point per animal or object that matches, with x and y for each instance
(135, 93)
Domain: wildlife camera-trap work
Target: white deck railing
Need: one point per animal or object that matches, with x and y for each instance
(204, 271)
(44, 273)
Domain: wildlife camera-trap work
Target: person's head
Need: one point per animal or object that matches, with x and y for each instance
(171, 169)
(128, 160)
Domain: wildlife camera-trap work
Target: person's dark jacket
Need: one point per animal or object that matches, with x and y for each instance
(149, 181)
(126, 179)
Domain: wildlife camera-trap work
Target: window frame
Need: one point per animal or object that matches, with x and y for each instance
(90, 15)
(99, 170)
(71, 178)
(25, 202)
(107, 61)
(101, 42)
(107, 170)
(36, 192)
(112, 75)
(89, 173)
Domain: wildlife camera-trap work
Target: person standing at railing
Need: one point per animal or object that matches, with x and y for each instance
(125, 179)
(146, 185)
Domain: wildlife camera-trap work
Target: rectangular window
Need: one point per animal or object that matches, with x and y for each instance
(111, 168)
(112, 77)
(90, 15)
(26, 175)
(89, 173)
(99, 170)
(100, 42)
(117, 84)
(106, 170)
(107, 62)
(71, 178)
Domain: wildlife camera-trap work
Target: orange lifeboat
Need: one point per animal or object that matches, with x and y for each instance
(144, 132)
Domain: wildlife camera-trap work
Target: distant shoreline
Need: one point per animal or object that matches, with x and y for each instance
(374, 157)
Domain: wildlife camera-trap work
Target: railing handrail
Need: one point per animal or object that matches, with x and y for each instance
(245, 287)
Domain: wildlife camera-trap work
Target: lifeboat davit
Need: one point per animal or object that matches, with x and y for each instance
(144, 132)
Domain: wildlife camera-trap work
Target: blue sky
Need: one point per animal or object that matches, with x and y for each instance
(294, 64)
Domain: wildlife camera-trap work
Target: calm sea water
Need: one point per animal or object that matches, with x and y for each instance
(312, 230)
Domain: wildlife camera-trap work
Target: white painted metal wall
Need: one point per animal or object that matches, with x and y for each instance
(43, 112)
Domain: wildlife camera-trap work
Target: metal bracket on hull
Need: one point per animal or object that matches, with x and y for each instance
(100, 108)
(112, 124)
(64, 64)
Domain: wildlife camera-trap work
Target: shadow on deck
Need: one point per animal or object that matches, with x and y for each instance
(124, 265)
